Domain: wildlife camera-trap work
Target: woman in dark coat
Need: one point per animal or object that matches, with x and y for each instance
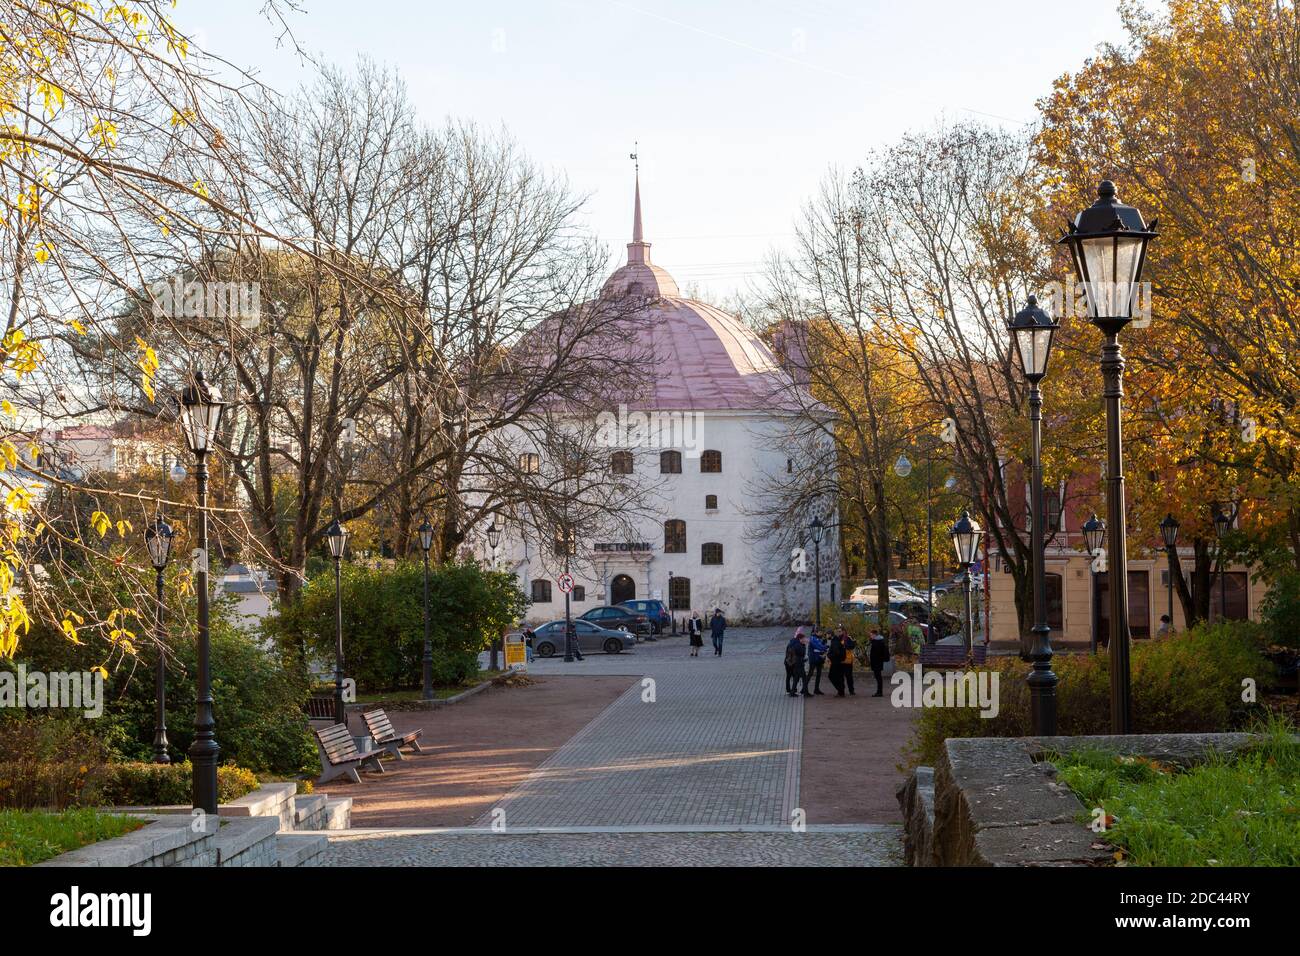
(695, 627)
(879, 654)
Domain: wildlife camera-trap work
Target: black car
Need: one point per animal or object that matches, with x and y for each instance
(618, 617)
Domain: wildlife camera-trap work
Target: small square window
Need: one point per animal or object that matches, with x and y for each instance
(711, 553)
(530, 463)
(710, 502)
(579, 594)
(541, 592)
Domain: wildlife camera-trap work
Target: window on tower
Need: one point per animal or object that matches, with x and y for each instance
(711, 462)
(670, 463)
(711, 553)
(620, 463)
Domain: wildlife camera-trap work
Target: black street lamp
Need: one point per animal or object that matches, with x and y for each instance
(1169, 534)
(493, 539)
(426, 542)
(1222, 525)
(158, 540)
(1032, 330)
(1108, 243)
(817, 529)
(966, 541)
(1094, 539)
(200, 414)
(336, 535)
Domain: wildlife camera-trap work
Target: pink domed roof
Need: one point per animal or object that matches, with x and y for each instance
(704, 359)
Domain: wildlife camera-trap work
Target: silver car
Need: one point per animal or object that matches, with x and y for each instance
(548, 639)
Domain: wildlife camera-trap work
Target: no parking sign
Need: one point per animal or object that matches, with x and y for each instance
(566, 582)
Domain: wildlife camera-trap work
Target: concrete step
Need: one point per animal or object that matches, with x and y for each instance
(247, 841)
(309, 811)
(338, 813)
(300, 849)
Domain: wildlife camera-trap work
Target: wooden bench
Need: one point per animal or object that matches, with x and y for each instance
(386, 738)
(952, 655)
(339, 756)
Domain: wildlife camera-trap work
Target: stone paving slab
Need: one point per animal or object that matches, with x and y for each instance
(717, 745)
(752, 846)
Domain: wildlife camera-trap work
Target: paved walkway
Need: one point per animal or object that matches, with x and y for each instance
(697, 741)
(819, 846)
(697, 763)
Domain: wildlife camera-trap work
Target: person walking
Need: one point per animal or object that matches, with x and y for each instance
(795, 655)
(846, 663)
(528, 643)
(695, 627)
(835, 653)
(717, 628)
(879, 654)
(846, 670)
(816, 656)
(572, 637)
(1166, 626)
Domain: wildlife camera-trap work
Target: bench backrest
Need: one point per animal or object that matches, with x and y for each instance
(336, 740)
(380, 727)
(952, 654)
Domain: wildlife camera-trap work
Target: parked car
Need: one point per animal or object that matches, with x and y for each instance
(656, 613)
(548, 640)
(616, 617)
(898, 591)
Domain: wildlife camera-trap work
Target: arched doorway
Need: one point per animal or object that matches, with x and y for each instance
(621, 589)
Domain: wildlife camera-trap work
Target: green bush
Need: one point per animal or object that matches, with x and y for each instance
(383, 629)
(257, 703)
(1280, 609)
(1185, 683)
(150, 784)
(49, 763)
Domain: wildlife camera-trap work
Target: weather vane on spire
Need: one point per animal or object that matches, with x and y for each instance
(636, 160)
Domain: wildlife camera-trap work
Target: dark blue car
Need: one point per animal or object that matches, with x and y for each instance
(655, 611)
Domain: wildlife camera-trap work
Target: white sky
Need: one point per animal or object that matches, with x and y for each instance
(739, 107)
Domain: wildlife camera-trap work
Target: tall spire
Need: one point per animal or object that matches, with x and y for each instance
(636, 216)
(638, 250)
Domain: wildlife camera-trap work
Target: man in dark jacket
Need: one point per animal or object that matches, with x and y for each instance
(795, 655)
(717, 627)
(879, 654)
(816, 655)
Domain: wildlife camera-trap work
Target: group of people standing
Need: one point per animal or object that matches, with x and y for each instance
(717, 630)
(807, 653)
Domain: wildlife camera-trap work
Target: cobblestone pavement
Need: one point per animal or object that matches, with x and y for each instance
(819, 846)
(697, 741)
(696, 764)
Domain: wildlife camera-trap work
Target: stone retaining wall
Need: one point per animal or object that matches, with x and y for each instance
(995, 802)
(167, 840)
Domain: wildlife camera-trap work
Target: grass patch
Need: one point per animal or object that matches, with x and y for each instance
(1242, 810)
(440, 692)
(28, 837)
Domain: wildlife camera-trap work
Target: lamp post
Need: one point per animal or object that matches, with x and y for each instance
(817, 529)
(966, 541)
(1169, 533)
(1032, 331)
(1094, 539)
(1108, 243)
(158, 540)
(426, 542)
(1222, 525)
(200, 413)
(494, 539)
(336, 535)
